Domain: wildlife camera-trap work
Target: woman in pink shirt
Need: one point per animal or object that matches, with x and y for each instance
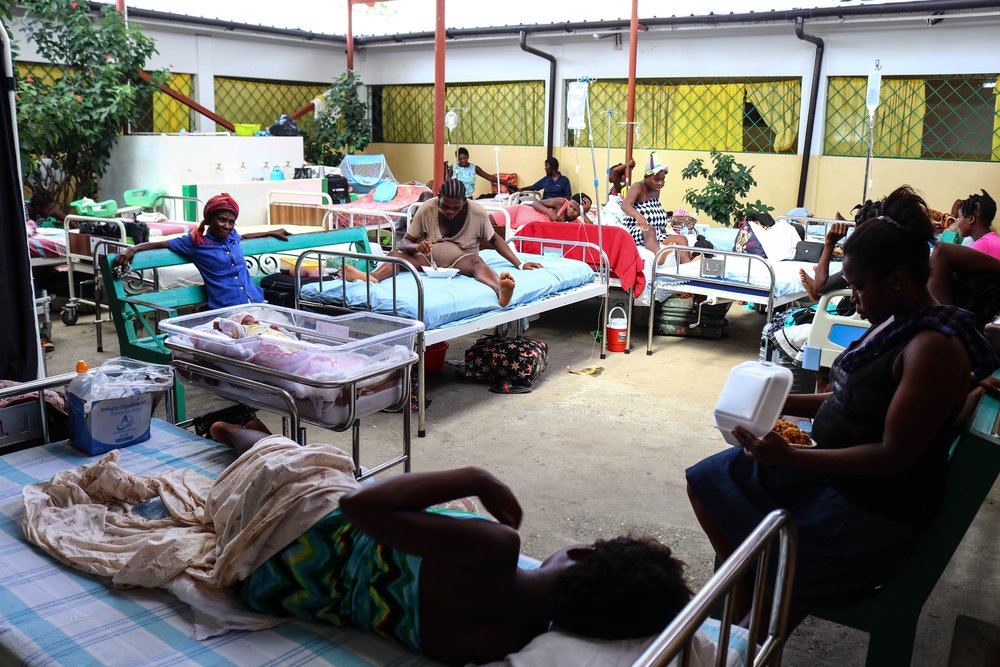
(975, 219)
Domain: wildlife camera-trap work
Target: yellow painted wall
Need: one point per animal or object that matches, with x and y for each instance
(835, 183)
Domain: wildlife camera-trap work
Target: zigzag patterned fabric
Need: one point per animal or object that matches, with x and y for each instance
(336, 574)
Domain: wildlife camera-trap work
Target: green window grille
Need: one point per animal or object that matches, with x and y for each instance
(934, 117)
(262, 101)
(740, 115)
(510, 113)
(159, 112)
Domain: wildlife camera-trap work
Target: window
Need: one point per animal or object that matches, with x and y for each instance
(262, 101)
(945, 118)
(507, 113)
(749, 115)
(158, 112)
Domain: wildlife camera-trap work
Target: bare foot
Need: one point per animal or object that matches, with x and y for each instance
(506, 288)
(809, 284)
(353, 274)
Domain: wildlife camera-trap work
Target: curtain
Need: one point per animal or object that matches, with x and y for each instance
(846, 120)
(899, 120)
(703, 117)
(996, 121)
(19, 344)
(778, 103)
(408, 114)
(510, 113)
(651, 108)
(170, 115)
(606, 95)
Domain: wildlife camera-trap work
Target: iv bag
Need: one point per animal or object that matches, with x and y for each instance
(451, 119)
(874, 90)
(576, 105)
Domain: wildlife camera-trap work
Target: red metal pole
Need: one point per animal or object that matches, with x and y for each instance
(120, 5)
(633, 38)
(439, 34)
(350, 36)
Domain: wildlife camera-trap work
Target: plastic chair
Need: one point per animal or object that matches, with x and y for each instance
(101, 209)
(143, 197)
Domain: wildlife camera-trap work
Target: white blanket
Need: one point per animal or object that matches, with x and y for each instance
(101, 519)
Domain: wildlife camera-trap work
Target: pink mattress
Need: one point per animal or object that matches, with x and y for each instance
(405, 195)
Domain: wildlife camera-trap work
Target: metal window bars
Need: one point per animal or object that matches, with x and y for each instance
(261, 101)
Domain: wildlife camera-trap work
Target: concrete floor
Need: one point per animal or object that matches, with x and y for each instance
(597, 456)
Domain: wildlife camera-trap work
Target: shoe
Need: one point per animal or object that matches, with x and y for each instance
(48, 345)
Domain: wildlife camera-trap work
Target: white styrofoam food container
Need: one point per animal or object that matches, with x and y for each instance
(752, 397)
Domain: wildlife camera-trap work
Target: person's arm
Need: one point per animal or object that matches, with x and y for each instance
(804, 405)
(492, 178)
(279, 233)
(628, 206)
(413, 245)
(126, 255)
(837, 231)
(567, 187)
(392, 512)
(947, 259)
(916, 416)
(549, 207)
(537, 185)
(448, 172)
(503, 248)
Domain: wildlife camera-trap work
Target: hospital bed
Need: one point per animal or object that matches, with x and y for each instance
(458, 306)
(367, 212)
(830, 334)
(52, 614)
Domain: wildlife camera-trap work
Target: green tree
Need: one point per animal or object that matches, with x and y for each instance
(69, 125)
(723, 196)
(342, 126)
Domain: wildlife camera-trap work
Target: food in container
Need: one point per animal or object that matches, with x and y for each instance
(752, 397)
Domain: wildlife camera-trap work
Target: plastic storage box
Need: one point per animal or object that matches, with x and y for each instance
(316, 358)
(752, 397)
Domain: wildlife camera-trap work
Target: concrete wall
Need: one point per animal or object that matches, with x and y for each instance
(905, 46)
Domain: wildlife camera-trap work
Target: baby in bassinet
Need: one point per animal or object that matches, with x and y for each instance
(244, 325)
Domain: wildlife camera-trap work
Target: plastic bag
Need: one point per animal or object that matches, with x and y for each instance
(285, 126)
(122, 377)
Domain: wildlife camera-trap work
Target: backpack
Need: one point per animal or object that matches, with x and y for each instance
(509, 365)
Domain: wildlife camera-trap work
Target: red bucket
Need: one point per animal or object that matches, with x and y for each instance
(617, 331)
(434, 357)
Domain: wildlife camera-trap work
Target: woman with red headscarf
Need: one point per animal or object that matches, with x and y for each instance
(214, 249)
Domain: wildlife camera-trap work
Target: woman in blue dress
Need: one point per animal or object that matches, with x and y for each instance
(466, 172)
(874, 480)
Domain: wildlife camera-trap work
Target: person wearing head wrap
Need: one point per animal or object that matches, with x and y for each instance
(448, 229)
(645, 219)
(214, 249)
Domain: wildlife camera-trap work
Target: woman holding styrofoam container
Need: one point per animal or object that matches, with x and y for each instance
(864, 488)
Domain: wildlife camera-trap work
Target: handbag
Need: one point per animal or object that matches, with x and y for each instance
(509, 365)
(808, 251)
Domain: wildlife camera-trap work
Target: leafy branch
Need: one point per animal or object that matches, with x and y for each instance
(342, 126)
(722, 198)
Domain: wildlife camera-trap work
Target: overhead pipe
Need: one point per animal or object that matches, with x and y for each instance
(811, 114)
(551, 121)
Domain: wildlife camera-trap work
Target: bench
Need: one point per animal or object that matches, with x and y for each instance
(890, 615)
(138, 339)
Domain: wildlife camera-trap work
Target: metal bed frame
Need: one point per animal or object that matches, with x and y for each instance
(85, 262)
(597, 288)
(776, 531)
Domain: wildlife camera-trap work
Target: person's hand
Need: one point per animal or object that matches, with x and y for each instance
(991, 386)
(631, 165)
(280, 234)
(499, 500)
(124, 258)
(424, 247)
(772, 449)
(837, 231)
(553, 215)
(529, 266)
(643, 225)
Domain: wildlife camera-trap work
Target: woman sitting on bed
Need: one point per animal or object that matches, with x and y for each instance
(446, 582)
(863, 495)
(448, 230)
(645, 219)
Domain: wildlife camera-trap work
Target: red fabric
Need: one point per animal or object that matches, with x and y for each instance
(217, 204)
(405, 195)
(626, 263)
(506, 177)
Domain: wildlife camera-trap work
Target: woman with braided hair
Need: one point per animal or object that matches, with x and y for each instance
(449, 229)
(214, 249)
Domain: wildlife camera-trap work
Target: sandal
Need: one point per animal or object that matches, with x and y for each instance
(234, 414)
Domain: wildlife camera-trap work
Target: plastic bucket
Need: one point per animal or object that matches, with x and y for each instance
(434, 357)
(246, 129)
(617, 330)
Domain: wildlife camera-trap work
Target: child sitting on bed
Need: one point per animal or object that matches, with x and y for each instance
(444, 582)
(446, 232)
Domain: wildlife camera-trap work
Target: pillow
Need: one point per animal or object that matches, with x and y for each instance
(385, 191)
(507, 178)
(779, 240)
(746, 240)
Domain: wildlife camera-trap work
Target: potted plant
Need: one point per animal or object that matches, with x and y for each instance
(723, 198)
(341, 127)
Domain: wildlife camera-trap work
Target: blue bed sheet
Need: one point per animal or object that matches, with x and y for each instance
(459, 298)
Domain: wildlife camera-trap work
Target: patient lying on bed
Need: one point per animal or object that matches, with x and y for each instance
(446, 232)
(292, 532)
